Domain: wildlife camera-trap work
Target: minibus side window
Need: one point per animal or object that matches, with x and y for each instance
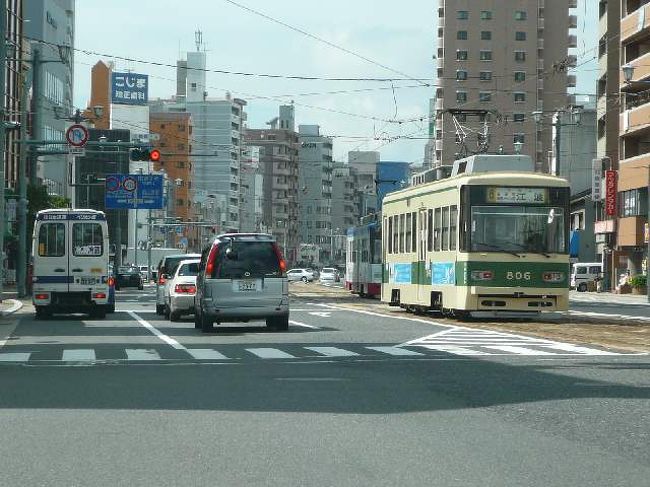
(51, 240)
(87, 240)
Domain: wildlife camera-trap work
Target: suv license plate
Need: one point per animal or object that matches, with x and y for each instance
(245, 286)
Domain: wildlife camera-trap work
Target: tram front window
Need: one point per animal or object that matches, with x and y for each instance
(518, 229)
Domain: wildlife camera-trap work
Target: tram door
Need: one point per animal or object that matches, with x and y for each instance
(423, 232)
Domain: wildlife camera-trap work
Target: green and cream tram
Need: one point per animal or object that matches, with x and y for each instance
(492, 238)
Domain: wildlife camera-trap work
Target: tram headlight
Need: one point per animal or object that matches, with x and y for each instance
(553, 276)
(482, 275)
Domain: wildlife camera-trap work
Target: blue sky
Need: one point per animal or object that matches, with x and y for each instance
(384, 32)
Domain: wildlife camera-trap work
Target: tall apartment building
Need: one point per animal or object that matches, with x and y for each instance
(365, 164)
(634, 133)
(505, 58)
(315, 184)
(279, 168)
(344, 207)
(52, 21)
(252, 190)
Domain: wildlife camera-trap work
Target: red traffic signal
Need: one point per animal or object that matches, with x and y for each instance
(145, 155)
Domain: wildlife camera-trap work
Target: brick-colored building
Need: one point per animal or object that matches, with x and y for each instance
(175, 145)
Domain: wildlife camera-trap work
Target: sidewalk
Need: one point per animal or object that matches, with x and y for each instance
(10, 302)
(591, 297)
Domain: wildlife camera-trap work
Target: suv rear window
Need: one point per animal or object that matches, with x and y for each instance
(241, 259)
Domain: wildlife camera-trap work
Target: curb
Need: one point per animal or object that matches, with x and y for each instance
(13, 308)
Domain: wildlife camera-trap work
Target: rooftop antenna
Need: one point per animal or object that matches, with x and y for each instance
(198, 39)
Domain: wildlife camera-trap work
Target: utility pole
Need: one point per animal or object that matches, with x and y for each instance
(36, 113)
(21, 261)
(3, 135)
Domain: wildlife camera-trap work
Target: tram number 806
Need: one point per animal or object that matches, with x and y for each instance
(518, 276)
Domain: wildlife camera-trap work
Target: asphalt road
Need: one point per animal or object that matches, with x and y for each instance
(345, 397)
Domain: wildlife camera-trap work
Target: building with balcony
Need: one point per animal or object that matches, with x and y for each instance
(252, 185)
(497, 62)
(633, 77)
(278, 165)
(315, 189)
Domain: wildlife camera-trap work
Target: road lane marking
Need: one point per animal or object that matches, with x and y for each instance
(269, 353)
(79, 355)
(141, 354)
(167, 339)
(518, 350)
(304, 325)
(400, 352)
(322, 314)
(332, 351)
(206, 354)
(567, 347)
(453, 349)
(15, 357)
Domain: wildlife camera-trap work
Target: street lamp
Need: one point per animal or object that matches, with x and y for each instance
(576, 117)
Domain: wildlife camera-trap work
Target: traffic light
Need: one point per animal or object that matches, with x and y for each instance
(145, 155)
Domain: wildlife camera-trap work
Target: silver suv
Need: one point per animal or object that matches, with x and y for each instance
(242, 277)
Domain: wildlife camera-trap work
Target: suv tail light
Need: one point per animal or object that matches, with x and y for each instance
(185, 289)
(482, 275)
(281, 262)
(212, 259)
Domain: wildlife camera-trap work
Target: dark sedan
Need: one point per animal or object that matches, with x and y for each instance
(128, 277)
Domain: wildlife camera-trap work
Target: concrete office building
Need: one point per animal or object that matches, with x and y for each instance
(507, 58)
(607, 146)
(634, 133)
(279, 168)
(53, 21)
(252, 190)
(344, 208)
(315, 184)
(365, 165)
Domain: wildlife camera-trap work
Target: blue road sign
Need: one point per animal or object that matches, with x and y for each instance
(131, 191)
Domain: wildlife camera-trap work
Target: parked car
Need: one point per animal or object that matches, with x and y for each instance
(181, 289)
(583, 274)
(329, 274)
(303, 275)
(242, 277)
(128, 277)
(165, 268)
(144, 270)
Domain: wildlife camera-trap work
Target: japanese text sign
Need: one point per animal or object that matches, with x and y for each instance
(131, 191)
(610, 193)
(130, 88)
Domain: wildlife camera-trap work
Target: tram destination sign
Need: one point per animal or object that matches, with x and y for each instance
(516, 195)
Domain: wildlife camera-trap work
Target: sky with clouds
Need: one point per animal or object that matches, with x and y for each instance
(398, 36)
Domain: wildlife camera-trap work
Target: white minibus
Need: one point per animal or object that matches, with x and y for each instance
(70, 262)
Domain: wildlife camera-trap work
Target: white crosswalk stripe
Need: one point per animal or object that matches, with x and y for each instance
(269, 353)
(15, 357)
(141, 354)
(79, 355)
(396, 351)
(466, 341)
(206, 354)
(333, 351)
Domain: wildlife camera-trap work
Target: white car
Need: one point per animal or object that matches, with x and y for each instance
(181, 289)
(300, 275)
(329, 274)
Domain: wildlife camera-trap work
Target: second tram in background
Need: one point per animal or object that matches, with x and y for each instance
(363, 267)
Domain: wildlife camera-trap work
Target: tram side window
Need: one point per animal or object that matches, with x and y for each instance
(445, 228)
(396, 234)
(453, 217)
(430, 231)
(407, 232)
(414, 232)
(402, 228)
(389, 237)
(51, 240)
(437, 227)
(364, 250)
